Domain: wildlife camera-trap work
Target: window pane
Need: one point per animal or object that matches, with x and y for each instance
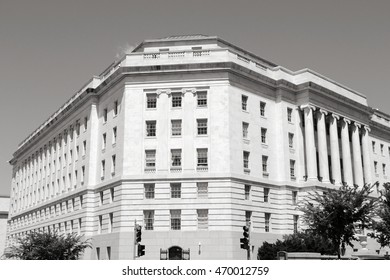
(151, 101)
(149, 191)
(202, 126)
(202, 157)
(176, 127)
(202, 99)
(176, 157)
(176, 190)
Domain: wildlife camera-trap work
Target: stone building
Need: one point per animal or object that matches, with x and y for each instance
(4, 207)
(193, 137)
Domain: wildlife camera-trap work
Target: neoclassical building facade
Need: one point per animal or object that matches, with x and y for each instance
(192, 138)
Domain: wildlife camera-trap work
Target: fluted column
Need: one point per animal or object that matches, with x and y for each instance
(357, 156)
(334, 149)
(346, 151)
(322, 147)
(366, 155)
(311, 158)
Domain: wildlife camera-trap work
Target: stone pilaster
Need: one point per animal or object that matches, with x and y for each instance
(322, 146)
(357, 156)
(346, 152)
(311, 157)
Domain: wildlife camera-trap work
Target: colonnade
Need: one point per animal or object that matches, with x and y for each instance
(353, 168)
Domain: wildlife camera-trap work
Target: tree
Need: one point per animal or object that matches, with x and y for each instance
(381, 227)
(297, 242)
(335, 214)
(48, 246)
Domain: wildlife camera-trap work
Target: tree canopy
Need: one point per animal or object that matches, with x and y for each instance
(48, 246)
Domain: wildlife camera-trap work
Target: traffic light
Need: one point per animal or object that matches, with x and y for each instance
(245, 241)
(140, 250)
(138, 234)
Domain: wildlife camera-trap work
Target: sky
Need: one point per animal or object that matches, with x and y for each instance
(50, 48)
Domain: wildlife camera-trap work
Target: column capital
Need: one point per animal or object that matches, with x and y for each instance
(366, 128)
(167, 91)
(190, 90)
(346, 120)
(357, 125)
(307, 106)
(335, 116)
(320, 112)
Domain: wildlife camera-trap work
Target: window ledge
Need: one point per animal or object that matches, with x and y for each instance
(202, 135)
(176, 136)
(150, 170)
(247, 171)
(293, 178)
(265, 174)
(202, 168)
(246, 141)
(201, 106)
(263, 117)
(292, 150)
(175, 169)
(264, 145)
(151, 109)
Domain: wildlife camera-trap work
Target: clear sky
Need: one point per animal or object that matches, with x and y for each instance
(50, 48)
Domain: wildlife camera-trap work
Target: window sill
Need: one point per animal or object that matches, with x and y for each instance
(201, 106)
(293, 178)
(263, 117)
(176, 136)
(176, 169)
(264, 145)
(289, 122)
(246, 141)
(247, 171)
(202, 135)
(292, 150)
(150, 170)
(202, 168)
(151, 109)
(265, 174)
(151, 137)
(176, 108)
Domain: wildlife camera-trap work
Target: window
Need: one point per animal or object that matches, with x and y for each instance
(176, 100)
(176, 127)
(289, 114)
(245, 130)
(150, 128)
(176, 158)
(384, 169)
(262, 109)
(112, 194)
(296, 219)
(148, 219)
(291, 140)
(175, 190)
(266, 194)
(111, 221)
(103, 169)
(267, 222)
(82, 174)
(264, 163)
(373, 147)
(294, 197)
(263, 135)
(248, 217)
(116, 108)
(202, 126)
(292, 168)
(114, 133)
(246, 159)
(244, 102)
(149, 191)
(150, 159)
(247, 192)
(98, 253)
(175, 219)
(104, 141)
(202, 98)
(105, 115)
(77, 132)
(109, 253)
(202, 188)
(84, 147)
(151, 101)
(389, 151)
(100, 224)
(77, 153)
(376, 167)
(85, 124)
(113, 164)
(203, 218)
(382, 151)
(202, 158)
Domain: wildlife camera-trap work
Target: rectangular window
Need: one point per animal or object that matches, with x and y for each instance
(150, 159)
(176, 100)
(151, 101)
(382, 151)
(247, 192)
(77, 153)
(248, 217)
(264, 163)
(116, 106)
(109, 253)
(202, 98)
(262, 109)
(148, 219)
(376, 167)
(149, 191)
(175, 190)
(85, 124)
(111, 221)
(266, 194)
(114, 133)
(384, 169)
(176, 127)
(82, 174)
(202, 126)
(112, 194)
(97, 253)
(104, 141)
(203, 218)
(244, 102)
(289, 114)
(150, 128)
(103, 169)
(267, 222)
(294, 197)
(202, 158)
(100, 224)
(245, 130)
(113, 164)
(105, 115)
(84, 147)
(373, 147)
(202, 188)
(101, 198)
(175, 219)
(263, 135)
(292, 168)
(246, 159)
(291, 140)
(176, 158)
(296, 219)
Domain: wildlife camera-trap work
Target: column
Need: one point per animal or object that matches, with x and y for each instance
(366, 155)
(346, 152)
(322, 147)
(163, 157)
(357, 156)
(311, 158)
